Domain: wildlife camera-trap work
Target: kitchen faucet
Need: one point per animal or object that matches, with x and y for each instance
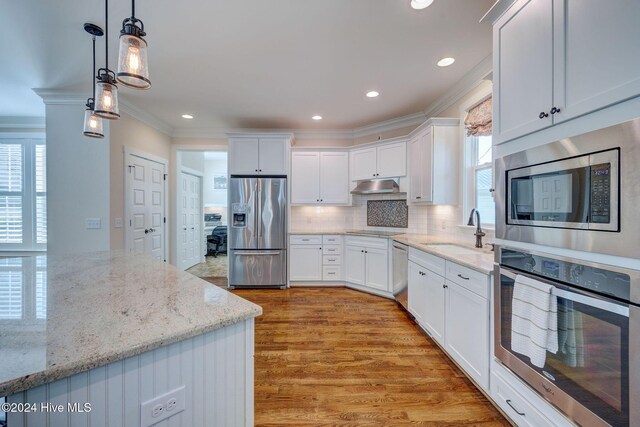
(479, 233)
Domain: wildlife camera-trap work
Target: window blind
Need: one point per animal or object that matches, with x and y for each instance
(11, 293)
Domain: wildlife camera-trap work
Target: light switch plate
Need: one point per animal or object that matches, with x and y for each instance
(162, 407)
(93, 223)
(117, 223)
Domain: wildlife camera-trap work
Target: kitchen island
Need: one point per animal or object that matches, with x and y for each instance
(109, 331)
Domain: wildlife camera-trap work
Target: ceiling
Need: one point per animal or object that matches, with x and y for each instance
(251, 63)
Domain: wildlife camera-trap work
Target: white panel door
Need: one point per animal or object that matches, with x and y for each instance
(273, 156)
(523, 69)
(596, 55)
(377, 269)
(243, 156)
(363, 164)
(392, 160)
(305, 178)
(354, 265)
(305, 262)
(334, 178)
(467, 331)
(434, 303)
(146, 203)
(191, 239)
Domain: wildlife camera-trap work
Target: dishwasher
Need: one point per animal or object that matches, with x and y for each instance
(400, 258)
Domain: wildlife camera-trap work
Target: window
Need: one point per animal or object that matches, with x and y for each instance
(481, 177)
(23, 195)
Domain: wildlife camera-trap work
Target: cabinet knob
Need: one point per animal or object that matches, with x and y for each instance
(543, 115)
(554, 110)
(321, 200)
(445, 286)
(260, 170)
(256, 170)
(362, 251)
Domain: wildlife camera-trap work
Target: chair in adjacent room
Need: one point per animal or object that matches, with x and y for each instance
(217, 241)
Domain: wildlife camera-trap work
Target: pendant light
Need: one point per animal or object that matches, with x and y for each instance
(133, 69)
(106, 100)
(92, 122)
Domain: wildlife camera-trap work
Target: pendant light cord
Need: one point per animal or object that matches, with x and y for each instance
(106, 33)
(93, 70)
(133, 8)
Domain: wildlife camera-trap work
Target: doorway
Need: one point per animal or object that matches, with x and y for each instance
(145, 204)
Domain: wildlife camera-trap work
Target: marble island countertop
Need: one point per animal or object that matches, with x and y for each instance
(477, 259)
(78, 312)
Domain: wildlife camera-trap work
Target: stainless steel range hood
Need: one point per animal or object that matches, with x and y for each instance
(377, 186)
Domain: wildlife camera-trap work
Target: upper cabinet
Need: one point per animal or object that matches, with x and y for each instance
(383, 161)
(258, 155)
(434, 159)
(555, 60)
(320, 177)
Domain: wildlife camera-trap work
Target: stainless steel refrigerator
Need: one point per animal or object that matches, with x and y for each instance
(257, 243)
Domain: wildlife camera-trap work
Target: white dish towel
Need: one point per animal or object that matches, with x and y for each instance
(534, 320)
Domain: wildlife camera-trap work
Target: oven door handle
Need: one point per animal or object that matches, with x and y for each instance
(611, 307)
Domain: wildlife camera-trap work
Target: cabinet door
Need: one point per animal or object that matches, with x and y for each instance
(596, 55)
(377, 269)
(523, 69)
(334, 178)
(273, 154)
(354, 260)
(426, 166)
(363, 164)
(243, 156)
(434, 294)
(415, 169)
(305, 178)
(416, 292)
(305, 262)
(392, 160)
(467, 332)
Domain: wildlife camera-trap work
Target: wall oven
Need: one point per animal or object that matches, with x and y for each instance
(578, 193)
(589, 364)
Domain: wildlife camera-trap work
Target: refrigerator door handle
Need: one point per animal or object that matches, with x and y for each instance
(259, 211)
(261, 253)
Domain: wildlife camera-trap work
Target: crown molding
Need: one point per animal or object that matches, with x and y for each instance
(389, 125)
(497, 10)
(61, 96)
(144, 117)
(9, 122)
(482, 71)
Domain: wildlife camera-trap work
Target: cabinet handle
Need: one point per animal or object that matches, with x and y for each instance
(554, 110)
(543, 115)
(512, 407)
(418, 197)
(362, 251)
(331, 259)
(462, 277)
(366, 252)
(256, 170)
(445, 286)
(260, 170)
(321, 200)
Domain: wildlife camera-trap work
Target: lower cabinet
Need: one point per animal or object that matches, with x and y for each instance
(367, 262)
(455, 313)
(305, 262)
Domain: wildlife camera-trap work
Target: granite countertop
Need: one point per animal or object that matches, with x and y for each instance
(480, 259)
(78, 312)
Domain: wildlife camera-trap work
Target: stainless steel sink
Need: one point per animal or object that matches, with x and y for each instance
(452, 248)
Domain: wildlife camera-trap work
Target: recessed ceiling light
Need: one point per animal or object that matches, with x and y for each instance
(420, 4)
(317, 117)
(445, 62)
(372, 94)
(187, 116)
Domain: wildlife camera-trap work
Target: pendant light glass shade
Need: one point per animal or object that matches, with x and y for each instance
(133, 70)
(92, 125)
(106, 102)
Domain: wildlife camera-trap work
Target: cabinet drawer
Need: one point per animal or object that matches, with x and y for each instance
(367, 242)
(305, 239)
(515, 405)
(428, 261)
(332, 249)
(331, 273)
(469, 279)
(332, 239)
(332, 259)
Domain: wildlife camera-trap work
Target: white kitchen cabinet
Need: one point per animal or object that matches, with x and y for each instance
(367, 262)
(354, 262)
(434, 294)
(383, 161)
(319, 178)
(434, 162)
(467, 331)
(416, 292)
(258, 155)
(305, 262)
(555, 60)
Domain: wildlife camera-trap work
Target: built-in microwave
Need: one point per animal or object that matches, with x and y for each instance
(577, 193)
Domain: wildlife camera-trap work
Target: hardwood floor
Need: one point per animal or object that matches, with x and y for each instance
(334, 356)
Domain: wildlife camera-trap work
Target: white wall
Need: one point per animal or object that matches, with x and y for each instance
(192, 160)
(213, 168)
(77, 182)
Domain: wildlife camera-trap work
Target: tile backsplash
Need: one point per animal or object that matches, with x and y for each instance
(387, 213)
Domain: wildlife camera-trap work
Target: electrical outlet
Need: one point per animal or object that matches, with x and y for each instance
(162, 407)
